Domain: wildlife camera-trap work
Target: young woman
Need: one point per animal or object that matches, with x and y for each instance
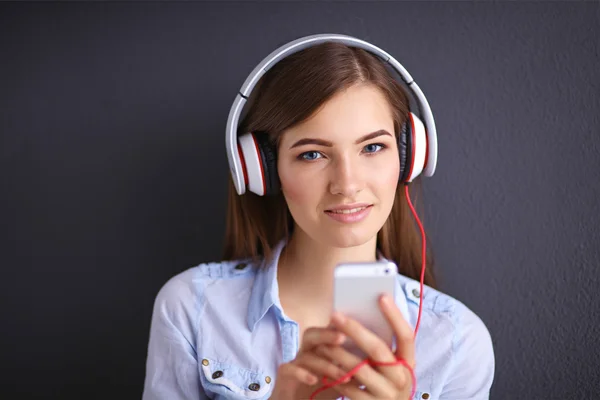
(260, 324)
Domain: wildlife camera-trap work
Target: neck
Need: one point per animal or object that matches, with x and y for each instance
(306, 267)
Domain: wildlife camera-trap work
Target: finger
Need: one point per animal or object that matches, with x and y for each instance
(295, 373)
(376, 383)
(365, 339)
(355, 393)
(319, 365)
(316, 336)
(376, 349)
(405, 338)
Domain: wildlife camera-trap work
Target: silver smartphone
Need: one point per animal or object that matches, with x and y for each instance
(357, 288)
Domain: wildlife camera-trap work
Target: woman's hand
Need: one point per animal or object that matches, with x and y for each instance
(298, 379)
(381, 382)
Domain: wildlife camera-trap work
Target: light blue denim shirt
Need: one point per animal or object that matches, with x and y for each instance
(218, 331)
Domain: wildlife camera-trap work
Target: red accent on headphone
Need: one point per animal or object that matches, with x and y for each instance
(412, 153)
(241, 153)
(260, 164)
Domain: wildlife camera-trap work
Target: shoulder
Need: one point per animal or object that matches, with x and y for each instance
(441, 306)
(180, 299)
(193, 281)
(456, 333)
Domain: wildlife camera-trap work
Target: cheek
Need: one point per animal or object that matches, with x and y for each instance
(388, 174)
(394, 173)
(294, 184)
(385, 182)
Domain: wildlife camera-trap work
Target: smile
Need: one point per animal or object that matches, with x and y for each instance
(351, 211)
(349, 215)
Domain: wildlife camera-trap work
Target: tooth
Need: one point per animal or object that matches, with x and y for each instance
(353, 210)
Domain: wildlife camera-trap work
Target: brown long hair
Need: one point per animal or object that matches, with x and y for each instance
(289, 93)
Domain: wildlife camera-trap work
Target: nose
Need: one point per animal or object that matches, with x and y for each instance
(346, 177)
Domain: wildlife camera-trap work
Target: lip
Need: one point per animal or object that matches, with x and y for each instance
(347, 206)
(349, 218)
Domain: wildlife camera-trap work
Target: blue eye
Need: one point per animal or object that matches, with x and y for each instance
(374, 147)
(309, 155)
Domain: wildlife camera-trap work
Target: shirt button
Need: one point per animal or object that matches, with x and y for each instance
(425, 396)
(416, 292)
(241, 266)
(205, 362)
(255, 387)
(217, 374)
(268, 379)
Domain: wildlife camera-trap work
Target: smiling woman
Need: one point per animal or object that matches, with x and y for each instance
(320, 162)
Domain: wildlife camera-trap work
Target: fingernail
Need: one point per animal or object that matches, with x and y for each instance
(386, 299)
(341, 338)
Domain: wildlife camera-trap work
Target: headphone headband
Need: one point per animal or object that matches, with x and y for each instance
(294, 46)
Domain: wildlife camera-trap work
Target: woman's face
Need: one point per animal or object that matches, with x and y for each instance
(339, 170)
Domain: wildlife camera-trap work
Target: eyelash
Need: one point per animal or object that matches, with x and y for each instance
(381, 148)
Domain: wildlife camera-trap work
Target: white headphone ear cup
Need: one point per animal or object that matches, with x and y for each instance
(416, 163)
(253, 164)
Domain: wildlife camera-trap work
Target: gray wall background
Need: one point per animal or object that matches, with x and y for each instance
(113, 171)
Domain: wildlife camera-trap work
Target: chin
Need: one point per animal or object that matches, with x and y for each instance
(345, 238)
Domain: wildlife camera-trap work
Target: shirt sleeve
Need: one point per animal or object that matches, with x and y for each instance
(172, 371)
(473, 362)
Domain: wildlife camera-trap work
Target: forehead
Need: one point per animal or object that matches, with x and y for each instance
(349, 114)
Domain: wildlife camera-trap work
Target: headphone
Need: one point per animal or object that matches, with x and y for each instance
(253, 159)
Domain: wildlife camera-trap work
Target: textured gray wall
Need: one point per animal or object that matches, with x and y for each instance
(113, 173)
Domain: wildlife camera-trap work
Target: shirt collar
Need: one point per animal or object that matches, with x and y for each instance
(265, 291)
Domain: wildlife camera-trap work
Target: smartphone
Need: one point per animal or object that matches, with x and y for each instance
(357, 288)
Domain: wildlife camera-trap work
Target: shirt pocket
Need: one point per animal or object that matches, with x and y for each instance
(222, 380)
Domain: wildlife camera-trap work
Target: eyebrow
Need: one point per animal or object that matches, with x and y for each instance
(326, 143)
